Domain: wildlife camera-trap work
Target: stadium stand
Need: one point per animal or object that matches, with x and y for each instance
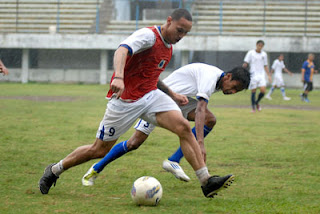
(211, 17)
(36, 16)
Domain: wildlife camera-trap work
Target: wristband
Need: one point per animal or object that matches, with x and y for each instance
(121, 78)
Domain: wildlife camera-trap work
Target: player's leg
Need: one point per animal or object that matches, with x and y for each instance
(173, 121)
(253, 100)
(116, 152)
(261, 83)
(118, 118)
(268, 96)
(80, 155)
(253, 87)
(210, 122)
(172, 164)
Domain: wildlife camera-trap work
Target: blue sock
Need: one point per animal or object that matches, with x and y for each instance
(116, 152)
(176, 157)
(283, 92)
(253, 100)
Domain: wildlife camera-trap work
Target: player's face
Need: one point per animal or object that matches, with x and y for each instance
(259, 47)
(231, 86)
(177, 29)
(281, 57)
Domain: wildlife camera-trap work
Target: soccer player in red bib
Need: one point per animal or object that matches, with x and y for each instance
(133, 93)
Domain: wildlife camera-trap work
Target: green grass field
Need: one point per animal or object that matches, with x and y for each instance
(274, 155)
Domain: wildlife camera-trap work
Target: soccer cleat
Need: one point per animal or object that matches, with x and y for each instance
(306, 100)
(302, 97)
(47, 179)
(215, 184)
(258, 107)
(268, 97)
(175, 169)
(286, 98)
(89, 178)
(253, 111)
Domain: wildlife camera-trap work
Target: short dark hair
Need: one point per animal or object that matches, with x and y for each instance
(260, 41)
(242, 75)
(181, 13)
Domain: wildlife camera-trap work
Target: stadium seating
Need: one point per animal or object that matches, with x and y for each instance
(246, 17)
(36, 16)
(211, 17)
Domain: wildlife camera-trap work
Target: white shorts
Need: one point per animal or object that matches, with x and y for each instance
(147, 128)
(120, 115)
(257, 82)
(278, 81)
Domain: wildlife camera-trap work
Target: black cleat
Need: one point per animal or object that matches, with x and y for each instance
(47, 179)
(215, 184)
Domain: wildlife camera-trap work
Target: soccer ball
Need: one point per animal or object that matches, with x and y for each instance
(146, 190)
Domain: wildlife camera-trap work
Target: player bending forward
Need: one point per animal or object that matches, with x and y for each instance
(194, 80)
(277, 67)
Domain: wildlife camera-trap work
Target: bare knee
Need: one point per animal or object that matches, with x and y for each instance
(136, 140)
(210, 120)
(183, 128)
(100, 148)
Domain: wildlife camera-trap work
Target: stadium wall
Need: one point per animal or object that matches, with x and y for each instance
(90, 56)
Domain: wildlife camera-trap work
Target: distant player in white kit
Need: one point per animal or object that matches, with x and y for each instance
(258, 61)
(197, 80)
(277, 67)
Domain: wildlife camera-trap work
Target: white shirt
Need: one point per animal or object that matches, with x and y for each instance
(194, 80)
(278, 66)
(141, 40)
(257, 61)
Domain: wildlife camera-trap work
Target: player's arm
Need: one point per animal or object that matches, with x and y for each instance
(311, 74)
(287, 71)
(199, 123)
(268, 73)
(178, 98)
(3, 69)
(119, 61)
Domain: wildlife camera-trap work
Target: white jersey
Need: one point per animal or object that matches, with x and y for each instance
(278, 66)
(141, 40)
(257, 61)
(194, 80)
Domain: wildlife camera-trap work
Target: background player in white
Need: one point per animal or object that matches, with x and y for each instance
(258, 61)
(194, 80)
(133, 93)
(277, 67)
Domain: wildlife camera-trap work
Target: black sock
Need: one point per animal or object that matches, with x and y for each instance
(253, 100)
(260, 97)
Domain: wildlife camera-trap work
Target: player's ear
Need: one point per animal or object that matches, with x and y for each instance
(229, 76)
(169, 20)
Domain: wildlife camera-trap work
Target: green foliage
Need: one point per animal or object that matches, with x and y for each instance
(274, 155)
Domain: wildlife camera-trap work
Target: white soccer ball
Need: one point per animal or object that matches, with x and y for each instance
(146, 190)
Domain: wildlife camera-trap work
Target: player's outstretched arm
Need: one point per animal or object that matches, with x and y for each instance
(178, 98)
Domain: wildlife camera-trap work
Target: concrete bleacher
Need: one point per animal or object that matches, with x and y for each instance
(277, 18)
(211, 17)
(35, 16)
(244, 17)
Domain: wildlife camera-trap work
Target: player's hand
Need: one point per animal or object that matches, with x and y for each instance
(269, 78)
(4, 70)
(180, 99)
(117, 86)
